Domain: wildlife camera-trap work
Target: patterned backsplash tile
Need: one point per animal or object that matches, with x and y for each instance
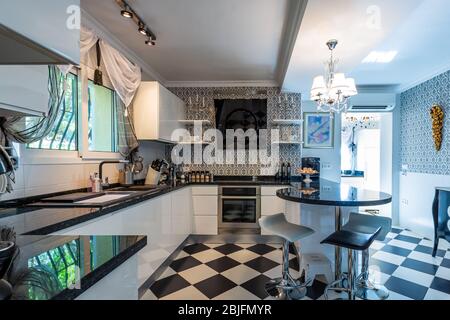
(275, 110)
(417, 146)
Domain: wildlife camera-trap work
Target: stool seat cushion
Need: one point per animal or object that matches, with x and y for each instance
(352, 240)
(278, 225)
(367, 223)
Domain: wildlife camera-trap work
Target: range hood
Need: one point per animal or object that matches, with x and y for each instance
(19, 50)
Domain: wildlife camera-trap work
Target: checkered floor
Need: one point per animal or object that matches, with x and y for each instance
(403, 263)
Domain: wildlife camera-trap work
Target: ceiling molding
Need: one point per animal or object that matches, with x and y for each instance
(297, 10)
(439, 70)
(106, 35)
(220, 84)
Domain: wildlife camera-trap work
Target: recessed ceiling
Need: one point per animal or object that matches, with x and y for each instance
(203, 40)
(418, 30)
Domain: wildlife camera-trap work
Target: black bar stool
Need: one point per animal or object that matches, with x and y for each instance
(354, 242)
(286, 287)
(368, 223)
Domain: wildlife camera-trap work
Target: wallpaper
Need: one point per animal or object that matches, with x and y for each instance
(417, 146)
(289, 108)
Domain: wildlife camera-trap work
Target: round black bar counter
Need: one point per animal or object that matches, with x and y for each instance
(323, 192)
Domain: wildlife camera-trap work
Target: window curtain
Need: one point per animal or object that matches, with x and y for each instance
(125, 77)
(29, 129)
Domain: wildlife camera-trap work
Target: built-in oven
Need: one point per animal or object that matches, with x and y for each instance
(239, 207)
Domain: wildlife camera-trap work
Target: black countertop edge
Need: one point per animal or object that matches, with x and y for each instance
(102, 271)
(294, 194)
(334, 203)
(98, 211)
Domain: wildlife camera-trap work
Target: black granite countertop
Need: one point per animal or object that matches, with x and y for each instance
(63, 267)
(324, 192)
(31, 216)
(57, 260)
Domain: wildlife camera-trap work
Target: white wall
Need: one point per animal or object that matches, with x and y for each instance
(42, 177)
(416, 200)
(330, 159)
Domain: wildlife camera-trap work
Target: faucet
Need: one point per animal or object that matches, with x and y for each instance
(100, 168)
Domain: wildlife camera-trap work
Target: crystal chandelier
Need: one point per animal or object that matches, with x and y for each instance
(332, 91)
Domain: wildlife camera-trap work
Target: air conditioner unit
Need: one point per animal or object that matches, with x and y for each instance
(372, 102)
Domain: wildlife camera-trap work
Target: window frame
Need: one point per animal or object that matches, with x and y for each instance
(31, 156)
(83, 149)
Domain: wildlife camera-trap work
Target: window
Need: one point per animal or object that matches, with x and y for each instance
(64, 132)
(102, 119)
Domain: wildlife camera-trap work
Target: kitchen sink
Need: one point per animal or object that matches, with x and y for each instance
(113, 196)
(135, 188)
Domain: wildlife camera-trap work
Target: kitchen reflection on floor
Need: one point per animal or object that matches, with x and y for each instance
(403, 263)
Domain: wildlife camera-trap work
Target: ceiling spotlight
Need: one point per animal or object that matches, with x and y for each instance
(126, 12)
(142, 30)
(150, 42)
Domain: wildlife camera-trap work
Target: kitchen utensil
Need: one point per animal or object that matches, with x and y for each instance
(138, 165)
(153, 176)
(128, 177)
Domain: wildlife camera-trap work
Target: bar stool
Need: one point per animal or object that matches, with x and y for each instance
(353, 242)
(368, 223)
(286, 287)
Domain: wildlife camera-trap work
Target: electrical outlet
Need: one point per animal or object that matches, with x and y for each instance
(326, 166)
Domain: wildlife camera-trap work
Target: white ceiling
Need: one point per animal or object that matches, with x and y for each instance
(246, 40)
(202, 40)
(418, 29)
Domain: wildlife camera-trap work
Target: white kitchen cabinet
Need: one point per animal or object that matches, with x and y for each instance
(23, 90)
(182, 218)
(205, 191)
(165, 220)
(42, 32)
(206, 206)
(270, 203)
(157, 112)
(271, 190)
(206, 225)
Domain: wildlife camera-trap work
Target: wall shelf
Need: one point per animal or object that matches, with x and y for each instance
(193, 122)
(287, 142)
(288, 121)
(194, 142)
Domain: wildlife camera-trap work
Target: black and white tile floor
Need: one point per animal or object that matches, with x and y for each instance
(403, 263)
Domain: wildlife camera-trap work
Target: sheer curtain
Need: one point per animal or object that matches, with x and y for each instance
(30, 129)
(125, 78)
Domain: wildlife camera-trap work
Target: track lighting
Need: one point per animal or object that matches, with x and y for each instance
(143, 28)
(126, 12)
(150, 42)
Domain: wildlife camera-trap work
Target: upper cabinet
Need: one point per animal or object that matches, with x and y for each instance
(40, 32)
(23, 90)
(157, 112)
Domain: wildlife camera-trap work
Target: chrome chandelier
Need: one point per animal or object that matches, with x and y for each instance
(332, 91)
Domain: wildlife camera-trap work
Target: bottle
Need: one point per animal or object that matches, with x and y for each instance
(97, 185)
(288, 171)
(197, 177)
(183, 178)
(202, 177)
(282, 172)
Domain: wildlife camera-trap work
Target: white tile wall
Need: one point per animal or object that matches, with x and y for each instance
(36, 179)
